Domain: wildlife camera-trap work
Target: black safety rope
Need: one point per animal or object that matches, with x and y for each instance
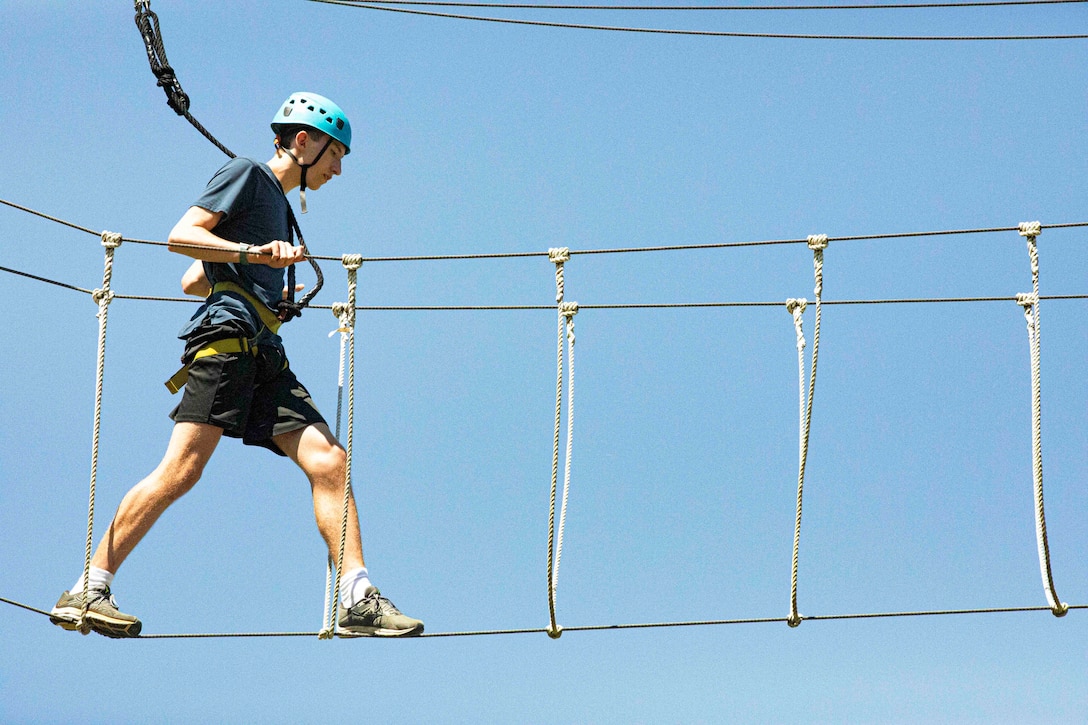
(148, 24)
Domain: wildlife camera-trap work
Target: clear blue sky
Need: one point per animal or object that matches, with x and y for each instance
(473, 137)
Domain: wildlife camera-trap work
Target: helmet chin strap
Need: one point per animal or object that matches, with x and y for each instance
(304, 167)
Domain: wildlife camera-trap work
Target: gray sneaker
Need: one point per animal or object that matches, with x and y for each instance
(102, 614)
(375, 616)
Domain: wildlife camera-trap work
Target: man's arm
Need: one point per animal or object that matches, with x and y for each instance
(194, 281)
(194, 237)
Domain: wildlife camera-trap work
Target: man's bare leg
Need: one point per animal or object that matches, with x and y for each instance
(191, 445)
(362, 608)
(322, 459)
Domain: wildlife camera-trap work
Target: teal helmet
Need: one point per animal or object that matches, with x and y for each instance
(314, 111)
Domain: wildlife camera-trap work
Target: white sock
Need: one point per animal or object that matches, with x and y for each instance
(98, 579)
(354, 586)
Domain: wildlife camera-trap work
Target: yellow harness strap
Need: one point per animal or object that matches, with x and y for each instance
(268, 317)
(219, 347)
(228, 345)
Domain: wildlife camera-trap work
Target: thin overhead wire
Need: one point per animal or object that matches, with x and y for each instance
(702, 33)
(718, 8)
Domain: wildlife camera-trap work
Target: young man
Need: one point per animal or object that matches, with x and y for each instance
(239, 382)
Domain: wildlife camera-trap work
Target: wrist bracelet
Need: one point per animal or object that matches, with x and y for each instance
(243, 256)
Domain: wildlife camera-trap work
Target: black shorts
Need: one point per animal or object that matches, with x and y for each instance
(252, 397)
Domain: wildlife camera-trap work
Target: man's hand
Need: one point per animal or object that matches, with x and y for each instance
(278, 254)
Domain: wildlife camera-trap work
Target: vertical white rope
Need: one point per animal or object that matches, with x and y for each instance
(817, 243)
(566, 312)
(351, 262)
(1030, 303)
(796, 307)
(340, 311)
(103, 297)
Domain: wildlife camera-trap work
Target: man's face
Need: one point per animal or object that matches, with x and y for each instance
(328, 165)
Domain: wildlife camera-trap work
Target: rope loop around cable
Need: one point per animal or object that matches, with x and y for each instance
(796, 307)
(1026, 299)
(352, 261)
(558, 255)
(101, 296)
(1030, 229)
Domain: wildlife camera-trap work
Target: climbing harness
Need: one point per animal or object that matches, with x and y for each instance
(219, 347)
(1030, 303)
(231, 344)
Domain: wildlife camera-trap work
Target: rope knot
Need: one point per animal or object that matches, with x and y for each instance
(568, 309)
(288, 310)
(352, 261)
(794, 620)
(795, 306)
(1026, 299)
(555, 632)
(342, 312)
(558, 255)
(102, 295)
(111, 240)
(1030, 229)
(817, 241)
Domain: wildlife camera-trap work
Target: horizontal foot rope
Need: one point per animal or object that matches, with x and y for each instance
(610, 627)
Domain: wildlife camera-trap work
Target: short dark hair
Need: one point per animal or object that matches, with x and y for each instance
(286, 134)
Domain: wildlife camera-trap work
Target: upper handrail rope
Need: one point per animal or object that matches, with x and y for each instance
(573, 252)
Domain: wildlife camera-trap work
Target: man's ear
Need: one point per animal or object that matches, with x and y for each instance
(301, 139)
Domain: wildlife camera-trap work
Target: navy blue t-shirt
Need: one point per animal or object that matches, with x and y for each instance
(255, 212)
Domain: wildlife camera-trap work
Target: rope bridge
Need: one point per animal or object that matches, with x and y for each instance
(566, 311)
